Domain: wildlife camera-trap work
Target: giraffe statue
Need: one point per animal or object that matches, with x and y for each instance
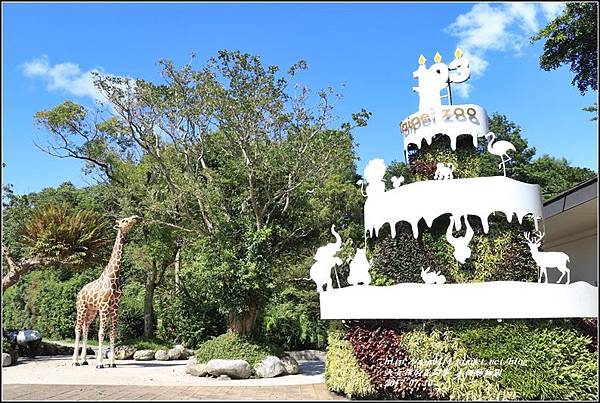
(102, 296)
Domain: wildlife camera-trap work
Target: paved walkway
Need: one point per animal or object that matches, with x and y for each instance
(124, 392)
(54, 378)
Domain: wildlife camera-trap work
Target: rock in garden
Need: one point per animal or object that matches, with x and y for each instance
(45, 348)
(143, 355)
(191, 361)
(197, 370)
(161, 355)
(239, 369)
(174, 354)
(124, 352)
(223, 378)
(14, 354)
(6, 360)
(290, 365)
(184, 353)
(269, 367)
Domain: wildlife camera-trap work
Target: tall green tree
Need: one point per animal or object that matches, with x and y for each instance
(572, 38)
(228, 155)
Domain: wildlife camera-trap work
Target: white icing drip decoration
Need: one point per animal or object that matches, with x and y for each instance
(460, 197)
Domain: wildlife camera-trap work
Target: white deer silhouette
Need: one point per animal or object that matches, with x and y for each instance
(547, 259)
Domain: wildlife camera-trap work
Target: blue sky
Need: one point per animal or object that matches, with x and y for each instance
(371, 49)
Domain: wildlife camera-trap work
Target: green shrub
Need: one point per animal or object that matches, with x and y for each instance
(188, 318)
(293, 321)
(559, 365)
(130, 323)
(541, 359)
(44, 301)
(438, 355)
(231, 346)
(342, 373)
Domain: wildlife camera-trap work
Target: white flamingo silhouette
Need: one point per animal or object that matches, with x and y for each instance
(499, 148)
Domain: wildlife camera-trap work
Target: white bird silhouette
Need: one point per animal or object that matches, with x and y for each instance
(500, 149)
(396, 182)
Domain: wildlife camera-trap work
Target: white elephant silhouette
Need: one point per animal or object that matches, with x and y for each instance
(320, 272)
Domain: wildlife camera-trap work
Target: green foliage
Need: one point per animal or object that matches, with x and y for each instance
(558, 363)
(46, 302)
(232, 346)
(252, 170)
(188, 317)
(236, 276)
(501, 254)
(63, 235)
(399, 259)
(293, 322)
(130, 322)
(554, 175)
(438, 354)
(541, 359)
(572, 38)
(342, 373)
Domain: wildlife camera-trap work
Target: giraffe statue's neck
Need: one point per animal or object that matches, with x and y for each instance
(112, 269)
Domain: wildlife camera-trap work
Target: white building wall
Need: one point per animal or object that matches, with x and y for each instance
(583, 254)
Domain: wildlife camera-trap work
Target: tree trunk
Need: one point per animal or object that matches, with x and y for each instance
(245, 323)
(149, 320)
(17, 269)
(176, 269)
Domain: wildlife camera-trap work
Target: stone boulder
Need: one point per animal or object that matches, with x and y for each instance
(198, 370)
(193, 368)
(6, 360)
(290, 365)
(184, 353)
(237, 369)
(143, 355)
(269, 367)
(191, 361)
(174, 354)
(161, 355)
(124, 352)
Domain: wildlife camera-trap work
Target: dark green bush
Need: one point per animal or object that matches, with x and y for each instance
(189, 319)
(342, 373)
(43, 302)
(231, 346)
(130, 323)
(293, 321)
(46, 301)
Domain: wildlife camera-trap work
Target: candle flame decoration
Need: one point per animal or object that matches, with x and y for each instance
(437, 58)
(422, 59)
(458, 53)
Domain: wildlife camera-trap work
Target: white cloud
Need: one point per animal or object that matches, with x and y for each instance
(552, 10)
(65, 77)
(501, 28)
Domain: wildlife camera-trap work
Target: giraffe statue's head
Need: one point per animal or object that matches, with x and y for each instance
(125, 224)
